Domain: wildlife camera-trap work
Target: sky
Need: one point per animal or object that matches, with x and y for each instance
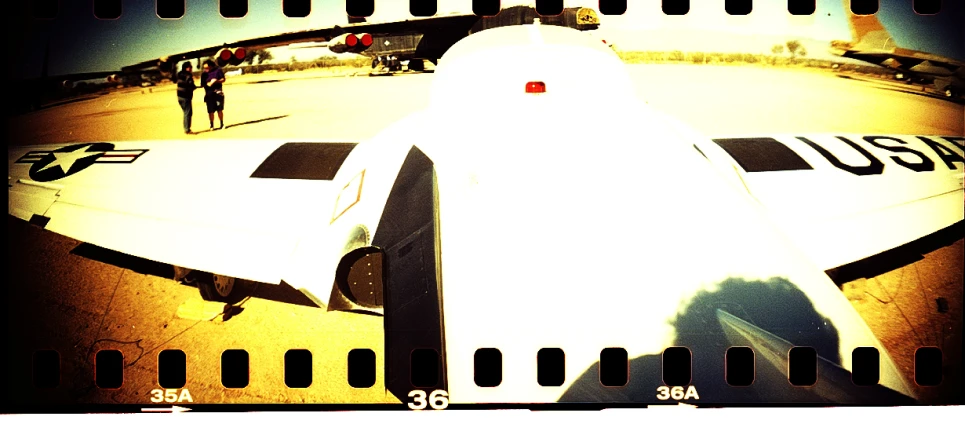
(79, 42)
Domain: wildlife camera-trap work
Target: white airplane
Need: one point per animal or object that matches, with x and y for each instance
(542, 206)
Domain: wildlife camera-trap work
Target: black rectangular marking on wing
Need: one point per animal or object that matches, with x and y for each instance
(763, 154)
(304, 161)
(39, 220)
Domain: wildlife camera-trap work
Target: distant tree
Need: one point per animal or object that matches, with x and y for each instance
(776, 50)
(792, 47)
(802, 52)
(257, 56)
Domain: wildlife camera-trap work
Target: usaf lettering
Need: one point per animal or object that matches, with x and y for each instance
(876, 167)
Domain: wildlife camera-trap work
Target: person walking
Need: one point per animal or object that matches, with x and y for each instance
(186, 89)
(212, 79)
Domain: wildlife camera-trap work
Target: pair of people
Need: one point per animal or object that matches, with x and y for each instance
(212, 79)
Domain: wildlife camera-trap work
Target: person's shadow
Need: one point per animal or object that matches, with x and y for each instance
(256, 121)
(769, 317)
(238, 124)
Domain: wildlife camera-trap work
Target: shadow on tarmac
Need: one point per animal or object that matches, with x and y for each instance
(913, 89)
(275, 292)
(238, 124)
(255, 121)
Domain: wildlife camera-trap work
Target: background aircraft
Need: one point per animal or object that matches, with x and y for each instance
(871, 42)
(413, 40)
(389, 44)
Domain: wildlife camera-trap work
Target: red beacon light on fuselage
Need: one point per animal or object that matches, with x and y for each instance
(535, 87)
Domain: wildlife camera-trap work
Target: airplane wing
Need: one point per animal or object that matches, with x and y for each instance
(846, 197)
(409, 26)
(232, 208)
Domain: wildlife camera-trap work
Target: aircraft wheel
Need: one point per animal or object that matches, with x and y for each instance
(181, 273)
(223, 285)
(219, 288)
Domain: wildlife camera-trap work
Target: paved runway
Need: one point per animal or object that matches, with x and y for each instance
(717, 100)
(59, 299)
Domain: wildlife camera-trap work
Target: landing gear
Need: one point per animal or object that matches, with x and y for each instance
(385, 65)
(391, 64)
(417, 65)
(222, 285)
(213, 287)
(952, 92)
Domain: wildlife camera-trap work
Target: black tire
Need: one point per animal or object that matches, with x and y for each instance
(214, 289)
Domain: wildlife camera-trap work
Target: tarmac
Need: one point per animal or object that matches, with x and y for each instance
(78, 300)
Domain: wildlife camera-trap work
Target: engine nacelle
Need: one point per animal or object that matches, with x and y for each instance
(223, 57)
(238, 56)
(232, 57)
(365, 41)
(343, 43)
(350, 43)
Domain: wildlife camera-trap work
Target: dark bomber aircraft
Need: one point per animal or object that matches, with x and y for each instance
(414, 40)
(388, 43)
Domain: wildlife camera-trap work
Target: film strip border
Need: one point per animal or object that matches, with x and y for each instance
(424, 366)
(176, 9)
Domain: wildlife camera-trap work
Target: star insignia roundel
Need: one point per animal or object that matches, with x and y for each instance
(50, 165)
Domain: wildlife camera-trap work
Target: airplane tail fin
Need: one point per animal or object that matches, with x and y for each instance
(863, 25)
